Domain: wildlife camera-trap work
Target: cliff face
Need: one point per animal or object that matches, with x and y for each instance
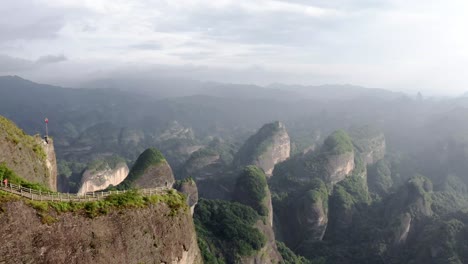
(189, 188)
(149, 171)
(99, 179)
(29, 157)
(252, 190)
(159, 175)
(370, 144)
(408, 206)
(145, 235)
(203, 167)
(269, 146)
(339, 166)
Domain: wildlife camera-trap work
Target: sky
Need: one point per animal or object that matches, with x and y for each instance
(393, 44)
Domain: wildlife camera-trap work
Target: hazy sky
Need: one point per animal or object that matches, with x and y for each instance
(406, 45)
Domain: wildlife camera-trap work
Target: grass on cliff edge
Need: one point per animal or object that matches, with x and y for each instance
(18, 137)
(131, 199)
(337, 143)
(6, 173)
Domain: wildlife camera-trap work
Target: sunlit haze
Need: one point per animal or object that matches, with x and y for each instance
(399, 45)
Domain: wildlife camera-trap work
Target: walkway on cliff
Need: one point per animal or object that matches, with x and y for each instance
(68, 197)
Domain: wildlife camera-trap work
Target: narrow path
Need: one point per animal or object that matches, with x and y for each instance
(66, 197)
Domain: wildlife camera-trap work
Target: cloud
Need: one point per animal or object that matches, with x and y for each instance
(10, 64)
(51, 59)
(146, 46)
(26, 20)
(14, 64)
(367, 42)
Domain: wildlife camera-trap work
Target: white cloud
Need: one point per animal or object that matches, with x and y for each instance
(390, 44)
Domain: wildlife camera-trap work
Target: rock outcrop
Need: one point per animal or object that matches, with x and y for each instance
(134, 235)
(338, 155)
(150, 170)
(332, 162)
(29, 157)
(408, 206)
(99, 178)
(252, 190)
(370, 144)
(269, 146)
(189, 188)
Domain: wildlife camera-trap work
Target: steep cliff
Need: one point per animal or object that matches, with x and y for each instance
(408, 206)
(338, 153)
(103, 173)
(153, 232)
(149, 171)
(331, 163)
(252, 190)
(29, 157)
(189, 188)
(370, 143)
(269, 146)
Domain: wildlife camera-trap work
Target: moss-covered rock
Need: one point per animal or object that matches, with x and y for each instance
(269, 146)
(31, 158)
(149, 171)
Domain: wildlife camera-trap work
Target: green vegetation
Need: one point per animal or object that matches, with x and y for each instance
(251, 189)
(257, 144)
(289, 257)
(380, 177)
(362, 136)
(149, 157)
(20, 138)
(178, 184)
(130, 199)
(337, 143)
(103, 163)
(6, 173)
(226, 231)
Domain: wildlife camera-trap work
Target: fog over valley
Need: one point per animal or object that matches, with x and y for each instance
(247, 132)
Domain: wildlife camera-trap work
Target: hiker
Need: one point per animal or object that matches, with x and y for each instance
(5, 181)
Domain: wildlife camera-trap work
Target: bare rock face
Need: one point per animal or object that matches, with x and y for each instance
(269, 146)
(189, 188)
(370, 144)
(51, 162)
(337, 156)
(143, 235)
(99, 179)
(150, 170)
(203, 167)
(339, 166)
(159, 175)
(29, 157)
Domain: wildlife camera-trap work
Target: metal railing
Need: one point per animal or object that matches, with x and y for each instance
(67, 197)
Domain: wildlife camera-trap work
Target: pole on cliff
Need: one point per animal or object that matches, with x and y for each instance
(47, 130)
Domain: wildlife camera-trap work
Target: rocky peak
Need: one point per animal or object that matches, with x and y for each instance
(102, 174)
(338, 155)
(149, 171)
(269, 146)
(252, 190)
